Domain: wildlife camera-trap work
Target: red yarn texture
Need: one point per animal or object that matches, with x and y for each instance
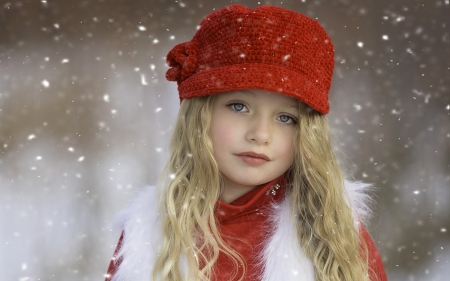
(268, 48)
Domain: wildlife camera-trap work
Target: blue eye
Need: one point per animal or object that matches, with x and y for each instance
(287, 119)
(239, 107)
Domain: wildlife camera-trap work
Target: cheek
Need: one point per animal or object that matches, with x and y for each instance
(286, 150)
(221, 134)
(221, 137)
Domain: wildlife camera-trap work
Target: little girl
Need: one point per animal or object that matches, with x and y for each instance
(252, 189)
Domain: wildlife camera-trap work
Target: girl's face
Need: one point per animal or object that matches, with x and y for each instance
(252, 135)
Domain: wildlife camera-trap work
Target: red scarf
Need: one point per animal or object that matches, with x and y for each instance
(243, 225)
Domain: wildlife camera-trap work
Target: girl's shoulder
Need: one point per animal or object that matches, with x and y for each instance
(143, 208)
(358, 198)
(141, 225)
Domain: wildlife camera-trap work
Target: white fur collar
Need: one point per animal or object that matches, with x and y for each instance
(282, 256)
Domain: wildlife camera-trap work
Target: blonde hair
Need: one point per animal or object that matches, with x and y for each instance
(191, 186)
(191, 183)
(325, 223)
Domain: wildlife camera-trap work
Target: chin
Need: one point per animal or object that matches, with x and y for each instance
(251, 181)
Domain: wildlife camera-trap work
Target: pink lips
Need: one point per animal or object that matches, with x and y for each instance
(253, 158)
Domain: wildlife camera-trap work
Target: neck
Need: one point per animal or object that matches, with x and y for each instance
(231, 192)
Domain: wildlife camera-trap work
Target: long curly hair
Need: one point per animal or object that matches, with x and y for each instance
(191, 185)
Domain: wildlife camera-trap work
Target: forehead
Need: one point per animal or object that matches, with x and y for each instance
(260, 95)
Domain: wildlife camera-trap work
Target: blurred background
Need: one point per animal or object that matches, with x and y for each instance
(86, 115)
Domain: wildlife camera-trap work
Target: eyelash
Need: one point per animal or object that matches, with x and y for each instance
(293, 120)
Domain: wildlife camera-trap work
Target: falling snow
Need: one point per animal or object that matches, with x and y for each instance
(45, 83)
(86, 116)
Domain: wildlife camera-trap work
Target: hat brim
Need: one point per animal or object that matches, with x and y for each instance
(260, 76)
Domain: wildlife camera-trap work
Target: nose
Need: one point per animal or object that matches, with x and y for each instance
(259, 130)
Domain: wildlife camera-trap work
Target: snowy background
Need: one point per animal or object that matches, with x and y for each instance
(86, 115)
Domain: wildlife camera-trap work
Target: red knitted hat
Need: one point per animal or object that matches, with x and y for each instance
(268, 48)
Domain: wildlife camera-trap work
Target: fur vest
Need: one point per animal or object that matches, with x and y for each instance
(282, 256)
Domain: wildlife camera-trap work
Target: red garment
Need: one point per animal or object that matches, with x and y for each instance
(246, 219)
(243, 218)
(113, 265)
(376, 267)
(242, 224)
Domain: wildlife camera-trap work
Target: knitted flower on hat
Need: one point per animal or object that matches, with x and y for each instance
(183, 61)
(268, 48)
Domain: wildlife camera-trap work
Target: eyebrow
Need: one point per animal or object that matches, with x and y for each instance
(253, 93)
(292, 106)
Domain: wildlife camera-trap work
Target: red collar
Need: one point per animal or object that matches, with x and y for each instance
(251, 203)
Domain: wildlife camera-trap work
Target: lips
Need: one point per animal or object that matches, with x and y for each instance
(253, 158)
(254, 154)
